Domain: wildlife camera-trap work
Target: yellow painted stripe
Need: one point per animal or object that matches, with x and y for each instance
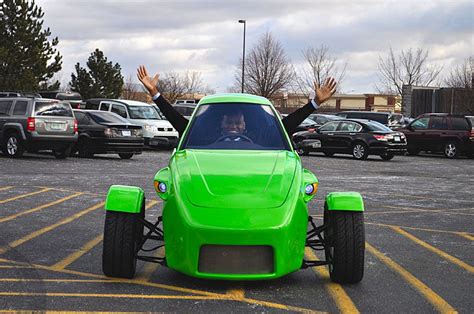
(466, 235)
(76, 255)
(428, 210)
(336, 291)
(100, 295)
(415, 228)
(236, 293)
(439, 303)
(11, 217)
(14, 266)
(6, 188)
(49, 228)
(150, 268)
(437, 251)
(24, 195)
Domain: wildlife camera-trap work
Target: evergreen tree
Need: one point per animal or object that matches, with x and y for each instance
(28, 60)
(103, 79)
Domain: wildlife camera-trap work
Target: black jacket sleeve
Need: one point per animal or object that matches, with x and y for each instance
(174, 117)
(291, 121)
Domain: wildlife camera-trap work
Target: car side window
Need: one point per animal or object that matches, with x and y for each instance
(5, 106)
(82, 118)
(439, 123)
(105, 106)
(459, 123)
(421, 123)
(349, 127)
(20, 108)
(329, 127)
(120, 110)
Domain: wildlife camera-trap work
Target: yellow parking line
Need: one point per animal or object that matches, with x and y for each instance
(6, 188)
(11, 217)
(343, 301)
(416, 228)
(76, 255)
(466, 235)
(439, 303)
(49, 228)
(443, 254)
(25, 195)
(428, 210)
(236, 293)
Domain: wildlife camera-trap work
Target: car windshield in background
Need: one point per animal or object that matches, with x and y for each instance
(107, 117)
(235, 126)
(308, 121)
(56, 109)
(377, 126)
(144, 112)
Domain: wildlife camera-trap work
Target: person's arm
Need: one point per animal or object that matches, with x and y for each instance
(320, 95)
(172, 115)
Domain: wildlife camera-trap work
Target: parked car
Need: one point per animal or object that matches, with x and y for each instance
(358, 137)
(157, 131)
(185, 109)
(73, 98)
(471, 118)
(235, 205)
(452, 135)
(102, 132)
(321, 119)
(381, 117)
(307, 124)
(33, 124)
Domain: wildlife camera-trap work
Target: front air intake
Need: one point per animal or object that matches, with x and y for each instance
(236, 259)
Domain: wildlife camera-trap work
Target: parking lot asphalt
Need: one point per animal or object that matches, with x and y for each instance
(419, 222)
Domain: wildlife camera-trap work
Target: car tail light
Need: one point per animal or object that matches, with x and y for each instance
(75, 126)
(380, 137)
(30, 124)
(471, 136)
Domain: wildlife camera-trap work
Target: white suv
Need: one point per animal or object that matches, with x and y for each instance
(157, 131)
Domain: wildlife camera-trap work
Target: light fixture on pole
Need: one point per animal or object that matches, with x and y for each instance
(243, 56)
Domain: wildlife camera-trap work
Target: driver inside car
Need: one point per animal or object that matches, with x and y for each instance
(233, 125)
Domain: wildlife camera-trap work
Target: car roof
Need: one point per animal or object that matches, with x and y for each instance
(234, 98)
(366, 112)
(96, 101)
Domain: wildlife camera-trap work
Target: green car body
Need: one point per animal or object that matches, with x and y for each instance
(234, 214)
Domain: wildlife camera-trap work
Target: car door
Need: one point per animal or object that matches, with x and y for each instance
(5, 106)
(345, 135)
(416, 133)
(326, 134)
(119, 109)
(436, 132)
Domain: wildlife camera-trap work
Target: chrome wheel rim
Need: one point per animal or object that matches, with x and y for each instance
(359, 151)
(12, 146)
(450, 150)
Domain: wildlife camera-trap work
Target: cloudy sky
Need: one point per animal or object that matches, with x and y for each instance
(205, 36)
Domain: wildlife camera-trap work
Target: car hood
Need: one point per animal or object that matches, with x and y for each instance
(235, 179)
(157, 123)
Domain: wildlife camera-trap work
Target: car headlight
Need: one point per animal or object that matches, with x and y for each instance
(149, 127)
(160, 187)
(138, 132)
(311, 189)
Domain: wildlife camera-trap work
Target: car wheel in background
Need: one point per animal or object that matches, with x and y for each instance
(360, 151)
(387, 156)
(345, 247)
(328, 154)
(123, 234)
(412, 151)
(125, 155)
(302, 152)
(62, 153)
(13, 146)
(84, 151)
(450, 150)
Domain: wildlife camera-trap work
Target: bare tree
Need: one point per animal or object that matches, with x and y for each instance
(320, 66)
(463, 75)
(175, 85)
(408, 68)
(132, 90)
(267, 68)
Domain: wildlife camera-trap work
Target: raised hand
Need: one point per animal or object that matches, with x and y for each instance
(147, 81)
(325, 91)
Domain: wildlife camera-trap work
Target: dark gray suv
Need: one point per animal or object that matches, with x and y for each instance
(33, 124)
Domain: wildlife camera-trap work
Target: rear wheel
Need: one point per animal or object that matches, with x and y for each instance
(386, 156)
(84, 149)
(451, 150)
(62, 153)
(125, 155)
(413, 151)
(123, 233)
(302, 151)
(345, 245)
(328, 154)
(360, 151)
(13, 146)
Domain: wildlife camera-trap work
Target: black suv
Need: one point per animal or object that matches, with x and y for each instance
(440, 132)
(33, 124)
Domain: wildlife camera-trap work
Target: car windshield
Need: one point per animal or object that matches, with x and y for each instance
(377, 126)
(235, 126)
(107, 117)
(144, 112)
(308, 121)
(56, 109)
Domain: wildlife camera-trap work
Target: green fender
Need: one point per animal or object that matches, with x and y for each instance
(127, 199)
(347, 201)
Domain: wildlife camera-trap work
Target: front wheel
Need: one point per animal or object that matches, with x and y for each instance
(13, 146)
(345, 245)
(360, 151)
(302, 151)
(123, 233)
(450, 150)
(62, 153)
(125, 155)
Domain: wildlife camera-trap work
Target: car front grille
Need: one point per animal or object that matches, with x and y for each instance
(236, 259)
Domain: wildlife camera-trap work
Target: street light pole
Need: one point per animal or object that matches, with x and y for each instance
(243, 55)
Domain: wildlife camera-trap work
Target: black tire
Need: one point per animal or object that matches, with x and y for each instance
(412, 151)
(451, 150)
(13, 145)
(122, 236)
(387, 156)
(125, 155)
(345, 247)
(62, 153)
(302, 151)
(328, 154)
(360, 151)
(83, 148)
